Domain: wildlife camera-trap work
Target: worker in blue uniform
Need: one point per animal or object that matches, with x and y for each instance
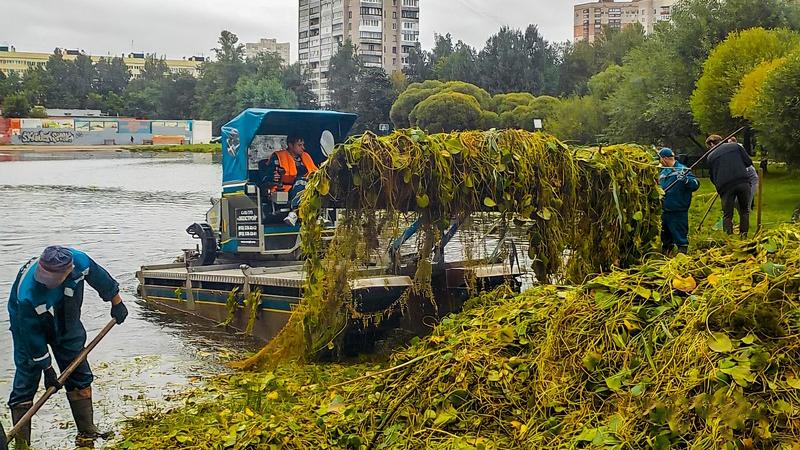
(45, 310)
(677, 200)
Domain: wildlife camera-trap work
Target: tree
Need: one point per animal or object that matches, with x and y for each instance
(651, 103)
(215, 96)
(744, 103)
(56, 84)
(777, 114)
(177, 96)
(727, 64)
(229, 50)
(460, 64)
(155, 69)
(81, 77)
(578, 119)
(513, 61)
(295, 79)
(9, 84)
(343, 74)
(112, 76)
(419, 66)
(374, 99)
(16, 106)
(447, 111)
(255, 92)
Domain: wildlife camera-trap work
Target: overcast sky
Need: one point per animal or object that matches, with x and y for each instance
(179, 28)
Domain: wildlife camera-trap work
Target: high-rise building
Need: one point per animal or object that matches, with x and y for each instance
(384, 31)
(592, 17)
(252, 49)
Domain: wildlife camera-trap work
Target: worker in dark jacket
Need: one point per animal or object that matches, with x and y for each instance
(3, 443)
(677, 200)
(728, 166)
(45, 310)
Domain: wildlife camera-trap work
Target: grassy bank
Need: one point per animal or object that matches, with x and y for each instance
(689, 352)
(188, 148)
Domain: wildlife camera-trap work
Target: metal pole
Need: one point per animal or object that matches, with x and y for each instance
(760, 200)
(708, 211)
(61, 380)
(723, 141)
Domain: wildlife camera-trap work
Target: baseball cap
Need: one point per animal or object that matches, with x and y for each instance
(666, 153)
(52, 265)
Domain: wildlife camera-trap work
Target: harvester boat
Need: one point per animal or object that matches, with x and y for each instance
(247, 269)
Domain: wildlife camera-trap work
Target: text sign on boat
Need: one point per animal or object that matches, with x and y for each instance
(247, 227)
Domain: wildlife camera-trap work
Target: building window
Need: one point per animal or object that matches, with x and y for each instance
(369, 11)
(406, 14)
(370, 22)
(394, 50)
(411, 3)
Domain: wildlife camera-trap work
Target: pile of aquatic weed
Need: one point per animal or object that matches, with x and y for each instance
(582, 211)
(699, 352)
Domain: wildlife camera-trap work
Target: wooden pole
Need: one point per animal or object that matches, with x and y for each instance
(61, 380)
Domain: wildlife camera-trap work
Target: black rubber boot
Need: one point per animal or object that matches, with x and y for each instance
(3, 443)
(83, 413)
(23, 438)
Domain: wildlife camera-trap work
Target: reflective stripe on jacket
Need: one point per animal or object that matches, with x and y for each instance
(41, 316)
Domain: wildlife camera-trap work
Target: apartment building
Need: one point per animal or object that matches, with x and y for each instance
(252, 49)
(12, 61)
(592, 17)
(384, 31)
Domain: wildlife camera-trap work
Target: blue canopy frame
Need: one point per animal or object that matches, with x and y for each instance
(238, 134)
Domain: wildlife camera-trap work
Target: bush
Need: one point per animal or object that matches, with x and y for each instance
(508, 102)
(16, 106)
(447, 111)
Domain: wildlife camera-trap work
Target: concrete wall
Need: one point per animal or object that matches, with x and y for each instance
(106, 131)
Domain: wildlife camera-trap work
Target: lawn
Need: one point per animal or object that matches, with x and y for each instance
(781, 193)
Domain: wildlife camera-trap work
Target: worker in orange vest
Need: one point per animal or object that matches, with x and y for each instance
(290, 169)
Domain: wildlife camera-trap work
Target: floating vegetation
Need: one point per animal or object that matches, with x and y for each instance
(559, 197)
(695, 352)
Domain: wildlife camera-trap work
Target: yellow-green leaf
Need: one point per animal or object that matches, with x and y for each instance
(720, 343)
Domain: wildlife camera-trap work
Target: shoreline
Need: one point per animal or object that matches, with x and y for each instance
(13, 153)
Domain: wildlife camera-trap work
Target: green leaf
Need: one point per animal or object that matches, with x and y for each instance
(445, 416)
(545, 213)
(324, 187)
(638, 216)
(720, 343)
(616, 382)
(489, 202)
(749, 339)
(423, 201)
(772, 269)
(468, 181)
(605, 299)
(741, 374)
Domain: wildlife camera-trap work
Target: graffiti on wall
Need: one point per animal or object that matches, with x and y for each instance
(47, 136)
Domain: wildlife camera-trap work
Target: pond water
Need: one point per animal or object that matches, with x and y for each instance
(123, 213)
